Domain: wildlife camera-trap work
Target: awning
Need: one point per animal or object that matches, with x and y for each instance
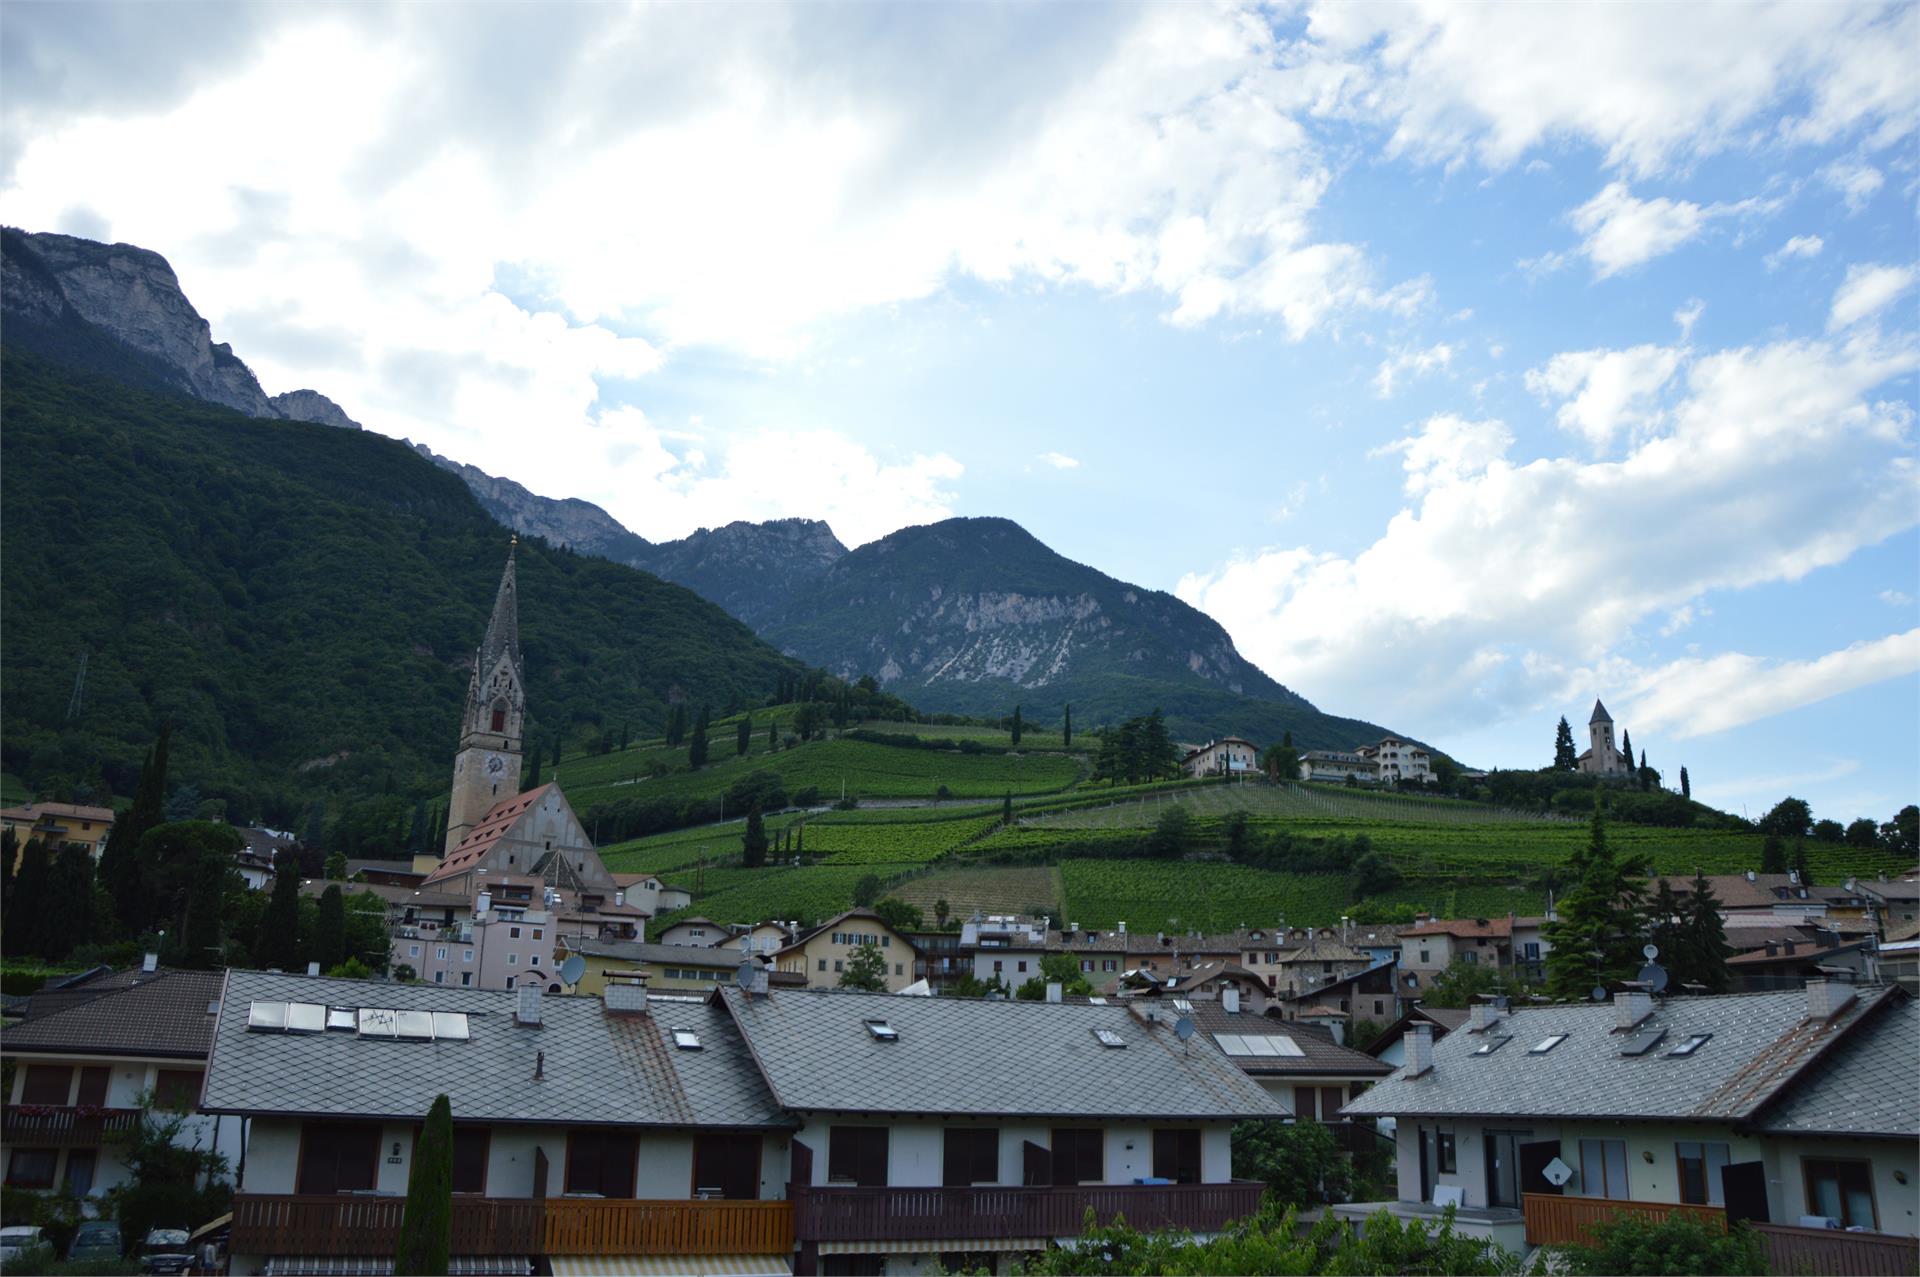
(936, 1247)
(382, 1266)
(672, 1265)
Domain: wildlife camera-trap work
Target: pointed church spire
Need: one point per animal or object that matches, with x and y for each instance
(503, 629)
(1600, 714)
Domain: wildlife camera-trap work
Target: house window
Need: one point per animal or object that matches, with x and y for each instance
(513, 959)
(1020, 966)
(1603, 1168)
(1086, 964)
(31, 1167)
(439, 977)
(1176, 1156)
(177, 1090)
(413, 951)
(1379, 1007)
(601, 1161)
(857, 1155)
(440, 952)
(839, 965)
(1700, 1167)
(998, 966)
(466, 955)
(1109, 964)
(970, 1155)
(513, 933)
(47, 1084)
(466, 979)
(499, 720)
(1840, 1189)
(80, 1167)
(899, 968)
(339, 1157)
(470, 1145)
(1079, 1155)
(1425, 959)
(1471, 956)
(93, 1085)
(823, 964)
(536, 933)
(1304, 1106)
(729, 1162)
(1448, 1152)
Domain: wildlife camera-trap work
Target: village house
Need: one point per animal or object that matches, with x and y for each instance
(1338, 765)
(823, 953)
(1004, 947)
(1372, 995)
(57, 825)
(1429, 946)
(1398, 760)
(645, 891)
(663, 968)
(1789, 964)
(84, 1057)
(1300, 1066)
(1775, 1108)
(1898, 900)
(695, 932)
(1228, 756)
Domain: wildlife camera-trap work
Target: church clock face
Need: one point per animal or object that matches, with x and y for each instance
(496, 766)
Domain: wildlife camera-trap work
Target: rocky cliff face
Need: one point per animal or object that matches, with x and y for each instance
(311, 405)
(579, 525)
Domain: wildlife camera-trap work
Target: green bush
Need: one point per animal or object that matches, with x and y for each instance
(1627, 1245)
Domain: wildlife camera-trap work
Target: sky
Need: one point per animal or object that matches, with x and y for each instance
(1466, 362)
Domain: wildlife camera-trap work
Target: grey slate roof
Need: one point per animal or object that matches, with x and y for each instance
(725, 957)
(1868, 1085)
(598, 1068)
(1320, 1055)
(139, 1013)
(1760, 1040)
(985, 1058)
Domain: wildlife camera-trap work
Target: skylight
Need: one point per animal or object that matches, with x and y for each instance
(414, 1026)
(306, 1017)
(686, 1039)
(1183, 1005)
(450, 1026)
(882, 1031)
(1693, 1043)
(1108, 1038)
(1491, 1045)
(1642, 1042)
(1097, 1000)
(267, 1016)
(375, 1023)
(341, 1018)
(1546, 1044)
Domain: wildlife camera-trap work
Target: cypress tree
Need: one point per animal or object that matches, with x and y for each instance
(1006, 809)
(70, 892)
(29, 904)
(422, 828)
(624, 734)
(119, 860)
(1016, 727)
(426, 1222)
(697, 743)
(1773, 855)
(1564, 758)
(773, 734)
(278, 941)
(743, 738)
(556, 750)
(1066, 730)
(1626, 747)
(330, 930)
(533, 774)
(753, 847)
(1686, 785)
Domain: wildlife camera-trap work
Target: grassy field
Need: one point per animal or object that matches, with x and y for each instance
(1292, 803)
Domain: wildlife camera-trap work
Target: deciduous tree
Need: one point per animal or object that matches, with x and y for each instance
(866, 970)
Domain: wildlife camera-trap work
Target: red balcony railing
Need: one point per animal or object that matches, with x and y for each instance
(929, 1214)
(40, 1125)
(1554, 1221)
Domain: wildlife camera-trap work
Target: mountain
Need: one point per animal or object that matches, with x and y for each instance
(302, 602)
(754, 570)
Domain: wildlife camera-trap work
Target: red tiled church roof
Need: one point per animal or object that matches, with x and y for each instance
(500, 818)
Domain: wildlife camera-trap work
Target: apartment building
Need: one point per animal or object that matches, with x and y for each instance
(821, 955)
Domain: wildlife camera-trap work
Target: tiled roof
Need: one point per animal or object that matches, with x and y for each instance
(1467, 928)
(1759, 1040)
(398, 867)
(685, 955)
(493, 826)
(1902, 889)
(1804, 952)
(1320, 1055)
(132, 1013)
(596, 1068)
(34, 811)
(985, 1058)
(388, 892)
(1867, 1085)
(859, 915)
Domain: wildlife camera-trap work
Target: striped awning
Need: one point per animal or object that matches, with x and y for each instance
(672, 1265)
(937, 1247)
(382, 1266)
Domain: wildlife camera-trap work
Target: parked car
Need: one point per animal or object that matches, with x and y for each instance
(166, 1250)
(95, 1239)
(17, 1240)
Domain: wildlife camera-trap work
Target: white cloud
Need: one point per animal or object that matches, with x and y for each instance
(1411, 363)
(1623, 231)
(1606, 391)
(1495, 589)
(1896, 598)
(1798, 246)
(1060, 461)
(1689, 315)
(1856, 182)
(1699, 696)
(1866, 290)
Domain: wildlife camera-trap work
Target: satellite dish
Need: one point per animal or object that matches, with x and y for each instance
(1556, 1173)
(1654, 976)
(1183, 1028)
(572, 969)
(1650, 952)
(1599, 993)
(743, 975)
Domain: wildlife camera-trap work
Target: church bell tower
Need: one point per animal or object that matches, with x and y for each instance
(487, 768)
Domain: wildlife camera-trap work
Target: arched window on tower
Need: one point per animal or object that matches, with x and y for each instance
(499, 717)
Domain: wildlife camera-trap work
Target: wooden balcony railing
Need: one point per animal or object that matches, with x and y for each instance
(1826, 1252)
(356, 1225)
(929, 1214)
(40, 1125)
(1555, 1221)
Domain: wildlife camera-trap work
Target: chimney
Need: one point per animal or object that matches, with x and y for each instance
(755, 984)
(1793, 876)
(1054, 991)
(1827, 998)
(526, 1009)
(150, 962)
(1123, 926)
(1482, 1016)
(1419, 1050)
(1632, 1006)
(1773, 950)
(620, 896)
(484, 902)
(1230, 999)
(1751, 876)
(313, 968)
(625, 997)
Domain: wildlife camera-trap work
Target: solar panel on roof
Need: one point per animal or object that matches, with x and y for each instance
(1108, 1038)
(1231, 1043)
(1183, 1005)
(1642, 1042)
(267, 1016)
(450, 1026)
(306, 1017)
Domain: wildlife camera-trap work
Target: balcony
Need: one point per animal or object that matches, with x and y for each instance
(936, 1214)
(1555, 1221)
(356, 1225)
(43, 1125)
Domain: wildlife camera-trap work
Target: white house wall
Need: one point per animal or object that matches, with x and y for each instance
(1894, 1202)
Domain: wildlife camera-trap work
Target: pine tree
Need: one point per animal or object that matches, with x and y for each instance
(753, 845)
(277, 945)
(1645, 771)
(1066, 732)
(119, 860)
(1564, 758)
(1626, 748)
(315, 832)
(743, 740)
(1006, 809)
(426, 1222)
(1686, 785)
(70, 889)
(204, 917)
(1594, 938)
(697, 743)
(421, 829)
(676, 725)
(773, 734)
(1707, 949)
(625, 733)
(330, 930)
(1016, 727)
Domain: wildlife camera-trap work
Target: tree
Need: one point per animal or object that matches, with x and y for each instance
(753, 844)
(1829, 831)
(1016, 727)
(31, 912)
(170, 1179)
(119, 860)
(335, 869)
(866, 890)
(866, 970)
(1299, 1162)
(533, 773)
(899, 915)
(676, 725)
(1705, 947)
(625, 735)
(278, 943)
(1239, 829)
(1595, 937)
(1626, 748)
(743, 735)
(773, 734)
(1373, 875)
(940, 912)
(697, 743)
(1686, 785)
(1790, 818)
(1773, 855)
(330, 929)
(1169, 836)
(1006, 809)
(1863, 833)
(1564, 758)
(1066, 729)
(1460, 982)
(426, 1222)
(1064, 969)
(1630, 1245)
(1901, 835)
(1282, 761)
(556, 750)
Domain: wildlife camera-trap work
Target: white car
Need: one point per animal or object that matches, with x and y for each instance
(21, 1239)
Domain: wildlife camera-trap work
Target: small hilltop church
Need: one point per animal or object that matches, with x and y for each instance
(1602, 757)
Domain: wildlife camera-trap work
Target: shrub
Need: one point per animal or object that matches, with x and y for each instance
(1678, 1244)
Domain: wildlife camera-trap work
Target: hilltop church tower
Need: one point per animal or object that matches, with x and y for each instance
(1603, 755)
(487, 768)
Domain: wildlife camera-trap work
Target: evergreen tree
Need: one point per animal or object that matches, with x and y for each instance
(1800, 865)
(533, 773)
(1564, 757)
(1668, 930)
(1066, 730)
(1282, 761)
(1686, 785)
(70, 890)
(426, 1222)
(625, 734)
(556, 751)
(1595, 938)
(278, 942)
(30, 906)
(119, 860)
(753, 846)
(330, 930)
(1773, 855)
(421, 829)
(10, 852)
(1006, 809)
(676, 724)
(1158, 754)
(1016, 727)
(1626, 748)
(314, 835)
(335, 869)
(1706, 943)
(773, 734)
(743, 740)
(697, 743)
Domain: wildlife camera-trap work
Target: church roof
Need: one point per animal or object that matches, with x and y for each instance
(500, 818)
(1600, 714)
(503, 628)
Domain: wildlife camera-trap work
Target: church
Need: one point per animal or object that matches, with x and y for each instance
(1602, 757)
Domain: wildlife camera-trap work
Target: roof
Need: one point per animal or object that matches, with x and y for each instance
(686, 955)
(1600, 714)
(388, 892)
(1320, 1055)
(398, 868)
(492, 827)
(1898, 889)
(34, 811)
(160, 1013)
(1759, 1040)
(1865, 1086)
(1465, 928)
(625, 880)
(976, 1057)
(1387, 970)
(699, 920)
(1738, 891)
(595, 1068)
(1806, 951)
(864, 915)
(1444, 1020)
